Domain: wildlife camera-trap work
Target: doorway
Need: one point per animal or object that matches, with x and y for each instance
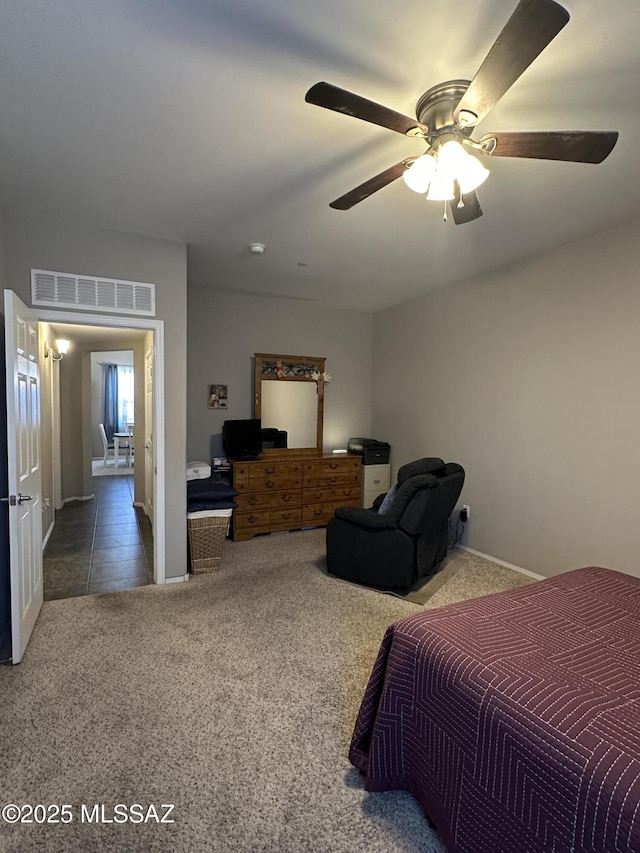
(115, 542)
(100, 539)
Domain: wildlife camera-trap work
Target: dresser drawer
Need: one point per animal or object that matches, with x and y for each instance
(317, 513)
(262, 518)
(334, 465)
(265, 470)
(267, 484)
(341, 478)
(253, 500)
(327, 495)
(291, 497)
(275, 469)
(255, 518)
(291, 515)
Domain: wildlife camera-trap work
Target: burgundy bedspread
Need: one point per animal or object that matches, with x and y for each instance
(514, 719)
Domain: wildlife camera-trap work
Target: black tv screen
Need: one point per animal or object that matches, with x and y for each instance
(242, 439)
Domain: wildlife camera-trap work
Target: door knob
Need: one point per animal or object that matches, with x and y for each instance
(23, 498)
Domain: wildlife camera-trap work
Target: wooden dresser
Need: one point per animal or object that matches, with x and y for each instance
(290, 493)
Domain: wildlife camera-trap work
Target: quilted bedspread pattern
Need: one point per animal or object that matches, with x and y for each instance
(514, 719)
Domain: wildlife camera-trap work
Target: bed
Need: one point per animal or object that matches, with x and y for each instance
(514, 719)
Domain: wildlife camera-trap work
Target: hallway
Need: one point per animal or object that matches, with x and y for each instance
(101, 545)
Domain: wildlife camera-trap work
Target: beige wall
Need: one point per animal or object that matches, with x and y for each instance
(528, 378)
(71, 248)
(225, 331)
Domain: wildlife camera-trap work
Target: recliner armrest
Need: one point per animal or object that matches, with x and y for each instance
(361, 517)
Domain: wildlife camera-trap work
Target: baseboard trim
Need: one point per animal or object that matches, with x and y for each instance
(78, 498)
(502, 562)
(49, 532)
(179, 579)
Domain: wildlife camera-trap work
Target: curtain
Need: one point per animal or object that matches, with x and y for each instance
(110, 399)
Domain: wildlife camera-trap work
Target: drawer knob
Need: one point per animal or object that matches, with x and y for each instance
(253, 518)
(270, 484)
(333, 466)
(252, 501)
(333, 480)
(270, 470)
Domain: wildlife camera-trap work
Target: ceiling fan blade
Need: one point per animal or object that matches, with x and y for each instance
(469, 211)
(528, 31)
(371, 186)
(333, 98)
(578, 146)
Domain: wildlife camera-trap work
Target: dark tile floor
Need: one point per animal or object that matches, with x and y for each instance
(101, 545)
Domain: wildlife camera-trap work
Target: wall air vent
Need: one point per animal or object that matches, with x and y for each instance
(63, 290)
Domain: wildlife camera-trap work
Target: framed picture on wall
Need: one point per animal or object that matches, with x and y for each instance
(218, 397)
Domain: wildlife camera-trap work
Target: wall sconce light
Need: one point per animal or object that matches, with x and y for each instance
(62, 346)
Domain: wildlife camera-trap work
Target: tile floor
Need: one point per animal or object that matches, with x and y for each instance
(101, 545)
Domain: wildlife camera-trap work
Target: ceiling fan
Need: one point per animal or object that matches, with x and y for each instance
(446, 114)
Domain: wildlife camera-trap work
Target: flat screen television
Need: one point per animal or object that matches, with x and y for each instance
(242, 439)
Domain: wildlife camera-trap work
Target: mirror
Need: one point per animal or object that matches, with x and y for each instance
(289, 395)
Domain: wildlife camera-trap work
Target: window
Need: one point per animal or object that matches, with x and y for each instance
(125, 396)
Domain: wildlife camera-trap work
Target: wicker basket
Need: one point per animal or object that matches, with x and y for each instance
(206, 538)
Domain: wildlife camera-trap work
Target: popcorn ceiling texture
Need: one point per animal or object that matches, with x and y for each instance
(233, 696)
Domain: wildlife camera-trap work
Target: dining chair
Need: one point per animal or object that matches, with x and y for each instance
(107, 447)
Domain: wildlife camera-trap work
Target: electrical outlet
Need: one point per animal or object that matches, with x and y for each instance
(466, 508)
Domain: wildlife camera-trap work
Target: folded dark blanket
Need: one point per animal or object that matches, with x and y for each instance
(200, 505)
(215, 488)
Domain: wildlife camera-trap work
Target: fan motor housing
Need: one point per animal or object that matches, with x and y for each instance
(436, 106)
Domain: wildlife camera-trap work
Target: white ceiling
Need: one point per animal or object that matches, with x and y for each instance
(186, 120)
(88, 334)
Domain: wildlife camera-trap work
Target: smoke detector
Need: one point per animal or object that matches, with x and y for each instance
(257, 248)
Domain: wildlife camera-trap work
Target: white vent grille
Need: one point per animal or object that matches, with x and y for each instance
(98, 294)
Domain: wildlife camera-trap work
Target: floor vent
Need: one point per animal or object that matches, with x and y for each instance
(57, 289)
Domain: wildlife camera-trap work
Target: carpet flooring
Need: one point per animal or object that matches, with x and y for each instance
(232, 696)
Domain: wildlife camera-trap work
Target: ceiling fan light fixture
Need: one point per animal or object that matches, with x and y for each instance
(461, 166)
(420, 173)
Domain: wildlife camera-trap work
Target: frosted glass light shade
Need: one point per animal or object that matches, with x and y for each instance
(419, 174)
(461, 166)
(62, 345)
(472, 174)
(441, 187)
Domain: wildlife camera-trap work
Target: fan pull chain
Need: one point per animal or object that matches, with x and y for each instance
(461, 202)
(444, 213)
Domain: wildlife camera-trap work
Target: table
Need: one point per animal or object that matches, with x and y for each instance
(127, 439)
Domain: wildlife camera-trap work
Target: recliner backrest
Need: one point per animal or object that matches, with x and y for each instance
(425, 501)
(427, 465)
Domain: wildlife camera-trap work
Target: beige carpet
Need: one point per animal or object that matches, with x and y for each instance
(232, 696)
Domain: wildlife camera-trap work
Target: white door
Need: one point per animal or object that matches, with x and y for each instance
(23, 439)
(149, 469)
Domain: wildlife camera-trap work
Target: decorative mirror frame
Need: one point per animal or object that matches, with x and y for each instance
(290, 368)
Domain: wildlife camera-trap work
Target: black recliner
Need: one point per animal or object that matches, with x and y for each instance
(407, 542)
